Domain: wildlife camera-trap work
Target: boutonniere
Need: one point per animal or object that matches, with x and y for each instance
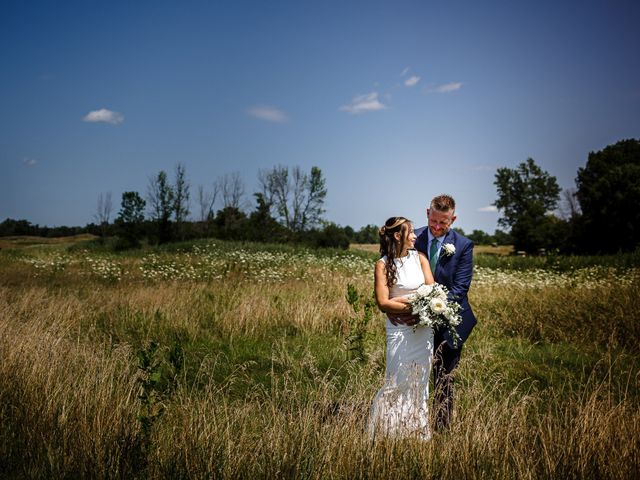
(449, 249)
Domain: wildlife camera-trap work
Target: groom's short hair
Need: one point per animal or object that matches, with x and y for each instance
(443, 203)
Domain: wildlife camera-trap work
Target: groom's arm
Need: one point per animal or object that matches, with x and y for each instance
(464, 272)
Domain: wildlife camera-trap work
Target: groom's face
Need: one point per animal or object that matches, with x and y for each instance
(440, 222)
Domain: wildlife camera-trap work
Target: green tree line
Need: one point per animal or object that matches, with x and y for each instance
(288, 208)
(600, 216)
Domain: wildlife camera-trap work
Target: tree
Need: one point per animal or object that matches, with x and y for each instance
(130, 219)
(230, 224)
(316, 191)
(11, 227)
(103, 213)
(232, 189)
(570, 206)
(180, 198)
(206, 201)
(501, 237)
(526, 196)
(296, 197)
(331, 236)
(262, 227)
(480, 237)
(161, 202)
(608, 189)
(368, 234)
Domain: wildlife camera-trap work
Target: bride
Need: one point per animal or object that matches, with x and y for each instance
(400, 408)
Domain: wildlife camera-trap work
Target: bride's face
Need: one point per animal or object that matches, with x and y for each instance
(407, 237)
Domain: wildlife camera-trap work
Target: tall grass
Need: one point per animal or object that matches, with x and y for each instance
(548, 386)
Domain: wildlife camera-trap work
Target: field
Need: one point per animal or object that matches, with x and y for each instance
(479, 249)
(229, 360)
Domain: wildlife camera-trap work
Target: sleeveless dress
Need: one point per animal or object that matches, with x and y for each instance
(400, 408)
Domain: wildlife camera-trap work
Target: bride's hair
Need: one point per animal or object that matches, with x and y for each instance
(391, 247)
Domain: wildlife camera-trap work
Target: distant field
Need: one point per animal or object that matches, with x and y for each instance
(29, 241)
(478, 249)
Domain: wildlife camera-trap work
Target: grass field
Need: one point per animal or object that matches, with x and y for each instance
(478, 249)
(27, 241)
(229, 360)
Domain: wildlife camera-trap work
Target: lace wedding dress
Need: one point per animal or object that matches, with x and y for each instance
(400, 408)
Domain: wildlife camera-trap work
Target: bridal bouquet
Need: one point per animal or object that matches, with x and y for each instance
(430, 303)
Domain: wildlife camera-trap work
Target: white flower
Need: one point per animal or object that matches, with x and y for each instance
(437, 305)
(449, 249)
(439, 292)
(424, 290)
(452, 316)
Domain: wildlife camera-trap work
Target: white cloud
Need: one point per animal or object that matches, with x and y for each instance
(411, 81)
(104, 116)
(363, 103)
(445, 88)
(29, 162)
(267, 113)
(488, 208)
(404, 72)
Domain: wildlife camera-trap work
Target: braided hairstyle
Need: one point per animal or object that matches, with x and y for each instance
(391, 247)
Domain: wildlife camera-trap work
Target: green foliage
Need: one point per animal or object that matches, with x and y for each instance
(296, 197)
(525, 196)
(230, 223)
(608, 189)
(181, 197)
(262, 227)
(157, 380)
(367, 234)
(314, 201)
(501, 237)
(11, 227)
(161, 199)
(480, 238)
(130, 219)
(357, 337)
(331, 236)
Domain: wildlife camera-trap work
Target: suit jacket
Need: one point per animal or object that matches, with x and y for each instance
(454, 272)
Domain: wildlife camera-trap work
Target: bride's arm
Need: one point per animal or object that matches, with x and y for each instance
(397, 305)
(426, 269)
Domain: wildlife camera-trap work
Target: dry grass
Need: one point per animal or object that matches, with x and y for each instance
(25, 241)
(500, 250)
(365, 247)
(548, 386)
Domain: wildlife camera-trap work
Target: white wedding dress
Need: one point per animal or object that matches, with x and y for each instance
(400, 408)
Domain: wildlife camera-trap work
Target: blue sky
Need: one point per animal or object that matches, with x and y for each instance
(395, 101)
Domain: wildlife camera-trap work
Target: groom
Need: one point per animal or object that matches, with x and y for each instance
(451, 258)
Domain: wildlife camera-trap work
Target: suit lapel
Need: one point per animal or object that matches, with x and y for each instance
(442, 257)
(425, 239)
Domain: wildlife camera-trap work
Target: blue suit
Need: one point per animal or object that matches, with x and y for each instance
(454, 272)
